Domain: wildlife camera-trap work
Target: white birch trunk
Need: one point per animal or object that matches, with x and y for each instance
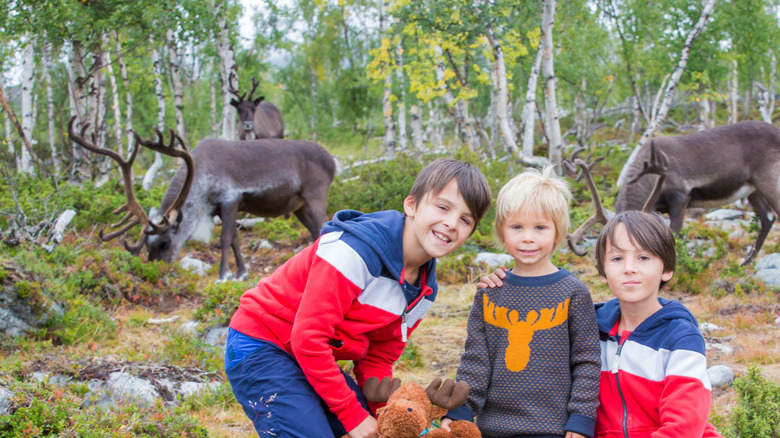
(507, 136)
(415, 112)
(733, 93)
(463, 127)
(555, 153)
(529, 113)
(656, 121)
(580, 114)
(103, 163)
(399, 75)
(704, 114)
(174, 61)
(227, 70)
(435, 127)
(115, 107)
(7, 117)
(28, 84)
(389, 141)
(151, 174)
(213, 101)
(766, 97)
(55, 158)
(128, 96)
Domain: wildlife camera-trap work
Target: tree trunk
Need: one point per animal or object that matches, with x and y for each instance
(656, 121)
(550, 102)
(178, 90)
(529, 115)
(399, 75)
(227, 70)
(79, 79)
(458, 109)
(213, 101)
(55, 156)
(151, 174)
(507, 136)
(417, 133)
(313, 119)
(28, 83)
(128, 96)
(766, 97)
(733, 93)
(7, 116)
(389, 141)
(115, 108)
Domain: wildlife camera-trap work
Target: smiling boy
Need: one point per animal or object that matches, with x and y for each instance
(355, 294)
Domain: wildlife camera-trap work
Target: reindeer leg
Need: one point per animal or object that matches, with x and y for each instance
(677, 204)
(766, 217)
(229, 215)
(241, 274)
(313, 213)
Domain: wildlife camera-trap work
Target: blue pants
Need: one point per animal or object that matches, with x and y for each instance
(275, 394)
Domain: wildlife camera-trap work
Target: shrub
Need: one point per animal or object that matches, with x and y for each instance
(757, 414)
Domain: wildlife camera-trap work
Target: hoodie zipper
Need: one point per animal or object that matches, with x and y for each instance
(620, 391)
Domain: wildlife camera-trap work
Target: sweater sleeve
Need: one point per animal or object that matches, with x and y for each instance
(585, 362)
(327, 297)
(686, 396)
(474, 366)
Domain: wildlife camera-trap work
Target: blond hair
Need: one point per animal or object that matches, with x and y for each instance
(541, 191)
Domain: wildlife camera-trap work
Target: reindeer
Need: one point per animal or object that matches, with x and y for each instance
(258, 117)
(269, 177)
(704, 169)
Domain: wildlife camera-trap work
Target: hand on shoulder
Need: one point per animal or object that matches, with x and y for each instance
(494, 279)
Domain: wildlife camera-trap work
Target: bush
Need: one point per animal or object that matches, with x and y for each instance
(757, 414)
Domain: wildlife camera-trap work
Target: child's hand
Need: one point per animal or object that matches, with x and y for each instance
(493, 280)
(445, 423)
(571, 434)
(366, 429)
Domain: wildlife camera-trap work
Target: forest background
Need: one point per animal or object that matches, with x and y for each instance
(385, 87)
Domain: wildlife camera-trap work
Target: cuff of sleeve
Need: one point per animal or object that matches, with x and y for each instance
(581, 424)
(460, 413)
(351, 420)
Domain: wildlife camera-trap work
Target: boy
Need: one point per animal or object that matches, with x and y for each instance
(654, 378)
(355, 294)
(532, 352)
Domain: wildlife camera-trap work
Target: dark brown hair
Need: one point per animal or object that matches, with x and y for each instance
(645, 230)
(472, 185)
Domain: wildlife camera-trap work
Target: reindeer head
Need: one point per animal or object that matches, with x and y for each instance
(156, 232)
(246, 108)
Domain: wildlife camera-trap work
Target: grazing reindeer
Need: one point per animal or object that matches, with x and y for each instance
(258, 117)
(268, 178)
(705, 169)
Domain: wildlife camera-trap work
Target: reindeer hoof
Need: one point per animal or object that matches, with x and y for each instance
(224, 278)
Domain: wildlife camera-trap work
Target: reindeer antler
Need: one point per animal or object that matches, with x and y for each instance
(233, 89)
(446, 394)
(598, 215)
(134, 213)
(659, 164)
(255, 83)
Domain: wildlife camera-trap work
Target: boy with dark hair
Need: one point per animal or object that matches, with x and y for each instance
(356, 294)
(654, 380)
(532, 353)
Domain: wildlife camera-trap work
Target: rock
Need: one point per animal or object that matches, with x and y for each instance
(5, 401)
(721, 284)
(125, 385)
(187, 389)
(772, 261)
(217, 336)
(770, 277)
(190, 327)
(723, 214)
(721, 376)
(494, 260)
(194, 265)
(723, 348)
(707, 327)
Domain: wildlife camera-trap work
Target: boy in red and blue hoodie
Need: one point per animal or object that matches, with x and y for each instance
(654, 380)
(356, 294)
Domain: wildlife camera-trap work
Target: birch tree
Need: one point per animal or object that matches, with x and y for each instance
(766, 95)
(228, 68)
(700, 26)
(151, 173)
(552, 123)
(529, 113)
(28, 83)
(46, 67)
(387, 93)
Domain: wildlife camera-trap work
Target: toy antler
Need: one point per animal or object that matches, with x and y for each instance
(446, 394)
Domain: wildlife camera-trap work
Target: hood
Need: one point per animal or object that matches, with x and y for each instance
(608, 313)
(382, 231)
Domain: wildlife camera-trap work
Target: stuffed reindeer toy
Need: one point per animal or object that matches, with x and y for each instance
(410, 409)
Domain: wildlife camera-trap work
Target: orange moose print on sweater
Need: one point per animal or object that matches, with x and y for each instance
(520, 333)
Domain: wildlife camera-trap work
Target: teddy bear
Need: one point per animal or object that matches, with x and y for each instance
(410, 409)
